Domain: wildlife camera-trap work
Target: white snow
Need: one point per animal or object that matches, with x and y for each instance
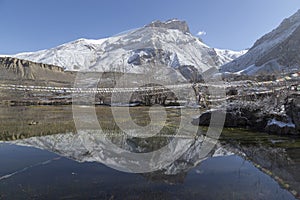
(172, 20)
(226, 56)
(281, 124)
(220, 152)
(269, 68)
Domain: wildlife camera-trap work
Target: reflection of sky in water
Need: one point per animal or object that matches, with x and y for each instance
(46, 175)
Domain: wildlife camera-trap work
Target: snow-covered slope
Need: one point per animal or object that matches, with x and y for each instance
(225, 56)
(169, 44)
(272, 53)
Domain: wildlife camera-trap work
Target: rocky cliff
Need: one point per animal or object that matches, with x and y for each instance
(171, 24)
(18, 69)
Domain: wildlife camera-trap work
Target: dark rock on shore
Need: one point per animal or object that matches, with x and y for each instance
(293, 110)
(280, 124)
(231, 119)
(236, 117)
(258, 117)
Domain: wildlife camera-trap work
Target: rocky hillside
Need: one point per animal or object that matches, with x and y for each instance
(276, 52)
(18, 69)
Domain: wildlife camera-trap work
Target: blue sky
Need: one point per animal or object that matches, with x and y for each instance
(30, 25)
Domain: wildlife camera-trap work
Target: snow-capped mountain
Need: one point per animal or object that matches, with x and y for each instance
(273, 53)
(168, 44)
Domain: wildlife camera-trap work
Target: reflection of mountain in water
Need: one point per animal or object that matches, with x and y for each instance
(276, 156)
(281, 163)
(90, 147)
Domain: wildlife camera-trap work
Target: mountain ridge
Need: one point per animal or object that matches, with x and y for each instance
(272, 53)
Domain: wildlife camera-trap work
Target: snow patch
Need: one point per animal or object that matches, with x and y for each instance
(281, 124)
(222, 152)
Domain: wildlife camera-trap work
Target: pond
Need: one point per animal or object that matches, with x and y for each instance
(44, 156)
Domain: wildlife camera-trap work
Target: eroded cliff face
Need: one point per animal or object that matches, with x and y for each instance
(171, 24)
(18, 69)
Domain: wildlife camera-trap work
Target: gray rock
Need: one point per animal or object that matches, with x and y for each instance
(258, 118)
(292, 108)
(171, 24)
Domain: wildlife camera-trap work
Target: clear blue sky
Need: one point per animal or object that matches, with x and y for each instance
(30, 25)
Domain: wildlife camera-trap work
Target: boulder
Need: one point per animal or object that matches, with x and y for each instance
(280, 127)
(292, 108)
(231, 119)
(256, 118)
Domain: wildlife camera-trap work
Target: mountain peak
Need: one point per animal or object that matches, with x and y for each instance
(295, 17)
(171, 24)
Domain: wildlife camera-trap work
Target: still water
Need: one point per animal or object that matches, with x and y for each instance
(42, 157)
